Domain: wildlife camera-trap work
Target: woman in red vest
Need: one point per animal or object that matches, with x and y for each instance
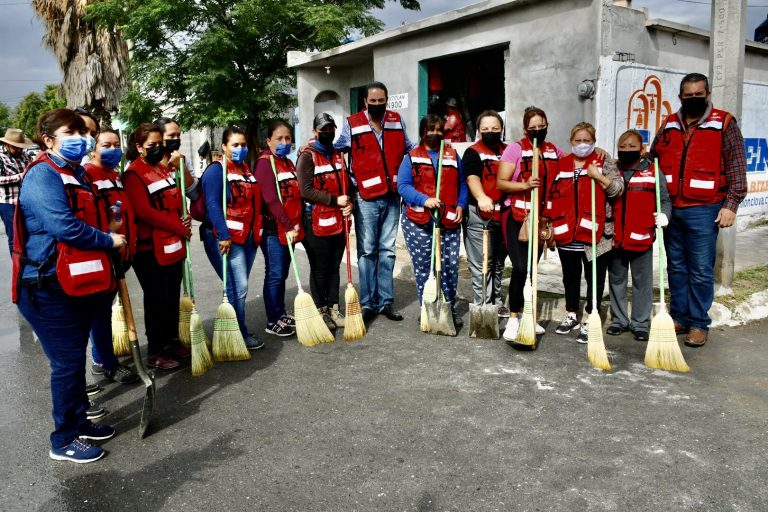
(236, 232)
(282, 223)
(324, 184)
(160, 249)
(61, 272)
(635, 230)
(101, 172)
(568, 205)
(417, 183)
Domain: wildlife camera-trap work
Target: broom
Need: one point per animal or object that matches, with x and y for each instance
(228, 342)
(526, 333)
(595, 345)
(663, 351)
(354, 327)
(121, 345)
(310, 327)
(185, 305)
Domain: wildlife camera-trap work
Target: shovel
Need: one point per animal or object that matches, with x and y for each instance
(439, 313)
(484, 319)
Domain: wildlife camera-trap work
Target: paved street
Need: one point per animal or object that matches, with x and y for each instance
(403, 421)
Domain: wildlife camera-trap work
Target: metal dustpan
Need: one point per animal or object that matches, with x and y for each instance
(484, 318)
(439, 313)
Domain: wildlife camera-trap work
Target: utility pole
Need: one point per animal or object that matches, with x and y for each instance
(726, 78)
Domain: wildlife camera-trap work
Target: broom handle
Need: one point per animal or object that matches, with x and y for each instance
(660, 235)
(290, 243)
(180, 180)
(594, 250)
(224, 212)
(534, 240)
(346, 221)
(434, 215)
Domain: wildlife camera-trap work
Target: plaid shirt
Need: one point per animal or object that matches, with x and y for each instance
(11, 169)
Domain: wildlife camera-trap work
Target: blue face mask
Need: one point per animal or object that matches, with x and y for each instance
(239, 154)
(90, 143)
(283, 150)
(111, 157)
(72, 147)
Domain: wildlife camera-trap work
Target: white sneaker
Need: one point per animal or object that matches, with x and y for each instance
(583, 336)
(540, 329)
(513, 325)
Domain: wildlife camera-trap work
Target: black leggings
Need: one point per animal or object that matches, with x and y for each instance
(572, 263)
(518, 255)
(161, 286)
(325, 254)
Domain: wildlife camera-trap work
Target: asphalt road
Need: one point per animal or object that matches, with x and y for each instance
(403, 421)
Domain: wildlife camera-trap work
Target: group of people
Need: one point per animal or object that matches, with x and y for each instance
(69, 244)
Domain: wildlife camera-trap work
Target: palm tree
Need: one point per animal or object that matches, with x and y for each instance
(92, 58)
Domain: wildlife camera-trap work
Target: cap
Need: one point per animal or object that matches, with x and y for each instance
(323, 120)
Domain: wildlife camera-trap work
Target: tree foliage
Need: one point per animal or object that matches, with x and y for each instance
(216, 62)
(33, 105)
(5, 116)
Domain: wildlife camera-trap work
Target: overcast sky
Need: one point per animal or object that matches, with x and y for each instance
(26, 66)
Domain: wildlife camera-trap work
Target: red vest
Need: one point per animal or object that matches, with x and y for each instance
(109, 189)
(169, 248)
(692, 161)
(521, 201)
(79, 271)
(425, 181)
(569, 203)
(634, 228)
(374, 168)
(490, 161)
(243, 214)
(331, 178)
(290, 193)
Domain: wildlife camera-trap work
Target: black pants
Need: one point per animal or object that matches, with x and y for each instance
(518, 255)
(161, 286)
(572, 263)
(325, 254)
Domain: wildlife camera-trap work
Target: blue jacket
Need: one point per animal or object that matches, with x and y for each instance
(212, 188)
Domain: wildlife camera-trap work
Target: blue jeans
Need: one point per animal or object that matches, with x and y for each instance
(239, 264)
(691, 241)
(376, 229)
(276, 265)
(6, 213)
(62, 324)
(101, 333)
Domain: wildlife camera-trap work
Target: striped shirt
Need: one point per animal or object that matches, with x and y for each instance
(11, 169)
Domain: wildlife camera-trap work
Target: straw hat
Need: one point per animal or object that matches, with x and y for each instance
(15, 137)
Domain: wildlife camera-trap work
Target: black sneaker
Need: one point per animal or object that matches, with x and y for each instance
(289, 320)
(457, 321)
(121, 374)
(252, 343)
(615, 330)
(96, 432)
(280, 329)
(568, 324)
(77, 451)
(97, 369)
(92, 389)
(94, 411)
(583, 336)
(640, 335)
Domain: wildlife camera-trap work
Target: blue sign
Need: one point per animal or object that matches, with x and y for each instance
(757, 154)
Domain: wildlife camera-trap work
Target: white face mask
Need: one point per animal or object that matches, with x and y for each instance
(583, 150)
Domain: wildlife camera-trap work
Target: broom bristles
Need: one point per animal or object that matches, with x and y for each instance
(354, 327)
(185, 312)
(121, 345)
(526, 332)
(310, 327)
(201, 357)
(228, 342)
(596, 352)
(663, 352)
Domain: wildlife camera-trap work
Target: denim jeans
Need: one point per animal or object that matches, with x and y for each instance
(376, 229)
(62, 324)
(6, 213)
(691, 242)
(102, 351)
(239, 264)
(277, 262)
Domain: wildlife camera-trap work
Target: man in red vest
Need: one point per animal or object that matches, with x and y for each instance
(377, 142)
(701, 152)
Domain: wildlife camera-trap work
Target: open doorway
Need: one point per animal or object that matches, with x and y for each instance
(460, 86)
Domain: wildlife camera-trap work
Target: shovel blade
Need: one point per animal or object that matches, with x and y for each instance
(148, 380)
(483, 322)
(443, 324)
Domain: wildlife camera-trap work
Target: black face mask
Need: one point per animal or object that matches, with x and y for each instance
(326, 138)
(377, 111)
(695, 106)
(491, 139)
(154, 155)
(627, 158)
(539, 135)
(432, 140)
(172, 145)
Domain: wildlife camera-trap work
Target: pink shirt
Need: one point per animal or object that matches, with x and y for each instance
(514, 155)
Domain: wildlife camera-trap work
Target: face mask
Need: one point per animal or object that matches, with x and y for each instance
(111, 157)
(172, 145)
(239, 154)
(326, 138)
(376, 111)
(583, 150)
(627, 158)
(491, 139)
(539, 135)
(90, 143)
(432, 140)
(283, 149)
(154, 155)
(72, 147)
(695, 106)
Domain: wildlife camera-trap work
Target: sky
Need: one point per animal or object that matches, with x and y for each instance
(26, 66)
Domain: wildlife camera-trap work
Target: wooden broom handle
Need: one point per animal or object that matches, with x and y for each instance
(438, 251)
